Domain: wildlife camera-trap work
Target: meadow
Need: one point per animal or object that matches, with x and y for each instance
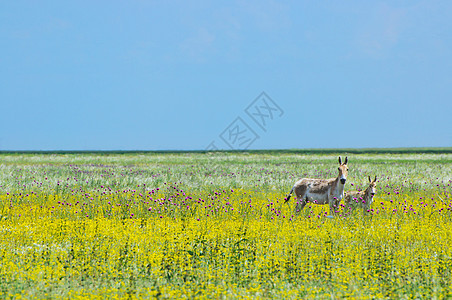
(214, 226)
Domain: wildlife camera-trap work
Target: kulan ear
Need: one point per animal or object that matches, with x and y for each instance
(340, 160)
(346, 160)
(370, 180)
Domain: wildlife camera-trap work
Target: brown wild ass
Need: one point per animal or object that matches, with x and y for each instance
(321, 191)
(361, 199)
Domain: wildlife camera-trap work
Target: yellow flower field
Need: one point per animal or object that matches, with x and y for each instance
(203, 226)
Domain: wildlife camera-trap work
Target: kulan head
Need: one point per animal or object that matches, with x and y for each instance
(343, 170)
(372, 186)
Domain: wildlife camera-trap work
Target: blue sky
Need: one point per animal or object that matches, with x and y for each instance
(154, 75)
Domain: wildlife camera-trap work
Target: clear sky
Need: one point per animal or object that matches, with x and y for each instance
(154, 75)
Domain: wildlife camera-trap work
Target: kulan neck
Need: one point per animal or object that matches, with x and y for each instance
(339, 184)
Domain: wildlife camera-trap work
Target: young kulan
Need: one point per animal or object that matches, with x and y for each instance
(361, 199)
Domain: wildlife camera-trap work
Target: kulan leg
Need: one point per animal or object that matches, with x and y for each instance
(334, 205)
(301, 202)
(349, 207)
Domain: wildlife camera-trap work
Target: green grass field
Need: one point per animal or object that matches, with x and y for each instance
(202, 225)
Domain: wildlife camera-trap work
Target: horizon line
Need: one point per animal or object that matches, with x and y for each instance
(290, 150)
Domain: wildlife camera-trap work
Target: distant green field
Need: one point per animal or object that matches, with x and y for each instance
(206, 225)
(269, 151)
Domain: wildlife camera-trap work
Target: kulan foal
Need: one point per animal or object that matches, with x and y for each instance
(321, 191)
(361, 199)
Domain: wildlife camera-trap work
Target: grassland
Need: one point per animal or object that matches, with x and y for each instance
(214, 225)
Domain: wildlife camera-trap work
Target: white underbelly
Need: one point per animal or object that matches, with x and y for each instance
(317, 198)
